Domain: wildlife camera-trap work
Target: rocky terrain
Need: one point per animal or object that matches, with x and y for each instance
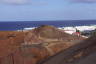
(9, 41)
(53, 39)
(82, 53)
(48, 33)
(31, 47)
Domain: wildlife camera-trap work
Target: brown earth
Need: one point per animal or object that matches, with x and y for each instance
(31, 47)
(9, 40)
(82, 53)
(48, 33)
(53, 39)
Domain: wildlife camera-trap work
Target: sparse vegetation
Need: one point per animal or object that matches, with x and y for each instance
(94, 32)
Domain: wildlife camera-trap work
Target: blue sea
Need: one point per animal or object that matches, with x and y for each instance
(17, 25)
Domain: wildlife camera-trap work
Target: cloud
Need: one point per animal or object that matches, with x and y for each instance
(15, 1)
(84, 1)
(23, 2)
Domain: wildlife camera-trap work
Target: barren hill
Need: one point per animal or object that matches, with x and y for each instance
(46, 33)
(30, 47)
(9, 41)
(82, 53)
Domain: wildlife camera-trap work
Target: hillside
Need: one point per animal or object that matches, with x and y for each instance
(82, 53)
(48, 33)
(53, 39)
(31, 47)
(9, 41)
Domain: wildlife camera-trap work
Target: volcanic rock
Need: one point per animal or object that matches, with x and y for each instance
(48, 33)
(82, 53)
(30, 47)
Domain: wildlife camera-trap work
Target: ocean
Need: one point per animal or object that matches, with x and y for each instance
(18, 25)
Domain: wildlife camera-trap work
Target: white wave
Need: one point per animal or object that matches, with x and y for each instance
(71, 30)
(30, 28)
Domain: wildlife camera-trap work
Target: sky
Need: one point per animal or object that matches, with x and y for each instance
(41, 10)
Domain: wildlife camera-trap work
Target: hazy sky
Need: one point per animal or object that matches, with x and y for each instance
(36, 10)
